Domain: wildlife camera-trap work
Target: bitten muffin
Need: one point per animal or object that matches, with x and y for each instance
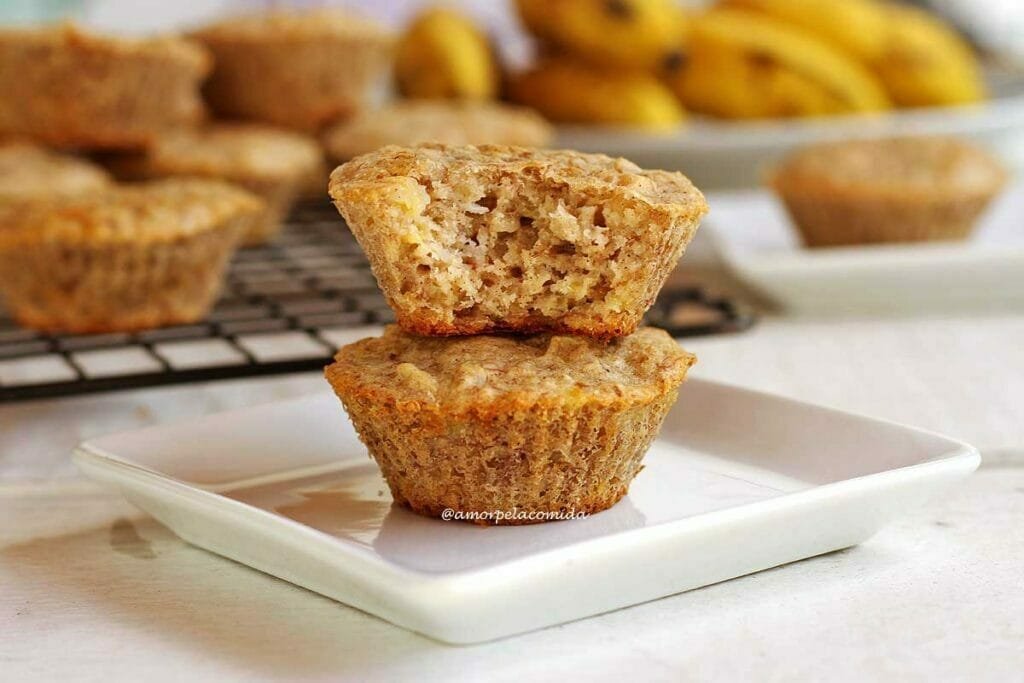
(299, 70)
(29, 173)
(541, 425)
(899, 190)
(414, 122)
(67, 88)
(274, 164)
(125, 259)
(465, 240)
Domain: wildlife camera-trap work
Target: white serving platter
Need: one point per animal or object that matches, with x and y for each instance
(757, 241)
(720, 155)
(737, 482)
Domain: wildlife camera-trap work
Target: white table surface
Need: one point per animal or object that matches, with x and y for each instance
(91, 590)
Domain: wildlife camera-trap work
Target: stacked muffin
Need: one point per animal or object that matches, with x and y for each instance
(549, 259)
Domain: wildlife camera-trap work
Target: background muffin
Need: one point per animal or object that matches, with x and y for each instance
(902, 190)
(124, 259)
(465, 240)
(274, 164)
(28, 172)
(67, 88)
(412, 123)
(300, 70)
(539, 424)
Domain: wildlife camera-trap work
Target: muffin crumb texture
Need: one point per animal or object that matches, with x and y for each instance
(465, 240)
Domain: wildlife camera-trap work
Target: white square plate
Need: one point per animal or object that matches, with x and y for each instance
(759, 244)
(737, 482)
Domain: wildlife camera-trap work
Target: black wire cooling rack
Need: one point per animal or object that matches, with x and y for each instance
(285, 308)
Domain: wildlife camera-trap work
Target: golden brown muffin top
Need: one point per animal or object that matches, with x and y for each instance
(902, 166)
(591, 175)
(412, 122)
(30, 172)
(279, 25)
(144, 213)
(233, 151)
(479, 371)
(66, 35)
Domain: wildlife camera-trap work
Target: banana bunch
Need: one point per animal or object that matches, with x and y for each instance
(444, 55)
(747, 65)
(856, 27)
(759, 58)
(602, 59)
(645, 62)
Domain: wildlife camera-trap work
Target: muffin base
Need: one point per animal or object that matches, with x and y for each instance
(87, 289)
(548, 461)
(838, 221)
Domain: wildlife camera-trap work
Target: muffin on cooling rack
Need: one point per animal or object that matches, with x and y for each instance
(301, 70)
(28, 172)
(415, 122)
(543, 425)
(899, 190)
(67, 88)
(124, 259)
(465, 240)
(274, 164)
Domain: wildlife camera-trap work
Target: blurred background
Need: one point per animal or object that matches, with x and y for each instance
(960, 53)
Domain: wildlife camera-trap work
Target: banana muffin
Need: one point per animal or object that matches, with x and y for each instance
(897, 190)
(415, 122)
(67, 88)
(124, 259)
(300, 70)
(277, 165)
(541, 426)
(28, 172)
(466, 240)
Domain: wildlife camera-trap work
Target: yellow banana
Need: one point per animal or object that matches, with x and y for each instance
(444, 55)
(856, 27)
(567, 90)
(926, 63)
(638, 34)
(741, 64)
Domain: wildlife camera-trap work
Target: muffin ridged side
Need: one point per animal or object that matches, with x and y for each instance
(542, 425)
